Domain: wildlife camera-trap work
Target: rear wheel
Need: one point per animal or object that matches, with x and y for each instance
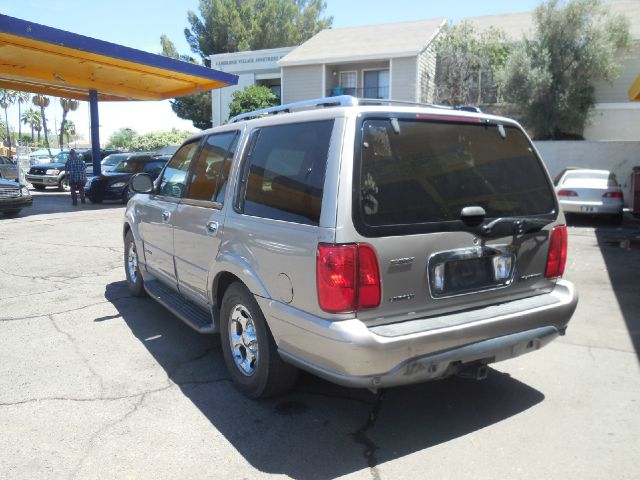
(132, 268)
(249, 351)
(617, 219)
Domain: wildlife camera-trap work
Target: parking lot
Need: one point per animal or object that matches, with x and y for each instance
(97, 384)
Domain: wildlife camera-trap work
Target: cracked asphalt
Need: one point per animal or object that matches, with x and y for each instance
(97, 384)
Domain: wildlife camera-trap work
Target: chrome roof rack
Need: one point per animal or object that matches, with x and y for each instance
(340, 101)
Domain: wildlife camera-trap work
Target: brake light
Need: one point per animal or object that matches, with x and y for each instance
(557, 257)
(612, 195)
(567, 193)
(347, 277)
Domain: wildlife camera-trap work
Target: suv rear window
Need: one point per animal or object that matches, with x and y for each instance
(422, 173)
(283, 175)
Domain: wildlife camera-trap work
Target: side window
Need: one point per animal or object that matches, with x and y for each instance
(174, 178)
(154, 168)
(284, 175)
(210, 167)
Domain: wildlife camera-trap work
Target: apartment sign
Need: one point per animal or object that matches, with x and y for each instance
(244, 62)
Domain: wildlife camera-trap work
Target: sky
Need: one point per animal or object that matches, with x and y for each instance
(139, 24)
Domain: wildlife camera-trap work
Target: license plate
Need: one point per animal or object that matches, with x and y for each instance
(588, 209)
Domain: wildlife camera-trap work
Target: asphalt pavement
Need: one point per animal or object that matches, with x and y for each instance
(97, 384)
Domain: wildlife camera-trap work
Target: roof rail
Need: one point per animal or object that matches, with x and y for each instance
(340, 101)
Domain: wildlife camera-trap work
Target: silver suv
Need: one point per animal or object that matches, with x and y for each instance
(372, 245)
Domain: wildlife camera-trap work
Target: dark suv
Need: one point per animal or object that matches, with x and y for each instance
(114, 184)
(371, 245)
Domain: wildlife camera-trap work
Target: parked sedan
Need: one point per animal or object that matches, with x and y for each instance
(594, 192)
(114, 185)
(8, 169)
(13, 197)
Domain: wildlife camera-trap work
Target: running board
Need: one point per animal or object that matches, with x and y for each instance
(197, 318)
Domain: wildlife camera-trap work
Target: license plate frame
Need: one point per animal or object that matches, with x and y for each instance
(588, 209)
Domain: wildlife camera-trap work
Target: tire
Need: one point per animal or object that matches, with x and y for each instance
(267, 375)
(12, 213)
(94, 199)
(63, 185)
(125, 195)
(616, 219)
(132, 268)
(39, 187)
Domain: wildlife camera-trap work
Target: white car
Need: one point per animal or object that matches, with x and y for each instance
(593, 192)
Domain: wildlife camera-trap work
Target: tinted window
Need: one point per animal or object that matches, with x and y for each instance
(428, 171)
(284, 173)
(130, 166)
(212, 163)
(154, 168)
(113, 159)
(174, 178)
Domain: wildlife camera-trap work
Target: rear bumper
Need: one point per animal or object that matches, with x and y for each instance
(348, 353)
(592, 208)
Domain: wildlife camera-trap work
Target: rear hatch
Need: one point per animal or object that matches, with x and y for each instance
(413, 176)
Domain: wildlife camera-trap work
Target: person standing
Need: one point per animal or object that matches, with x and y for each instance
(76, 172)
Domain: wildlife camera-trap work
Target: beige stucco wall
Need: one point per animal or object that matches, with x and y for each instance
(614, 121)
(302, 83)
(403, 78)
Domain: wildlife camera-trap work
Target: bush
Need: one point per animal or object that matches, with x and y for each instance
(251, 98)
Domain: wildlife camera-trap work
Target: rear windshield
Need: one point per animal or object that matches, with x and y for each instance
(610, 178)
(130, 166)
(424, 172)
(113, 159)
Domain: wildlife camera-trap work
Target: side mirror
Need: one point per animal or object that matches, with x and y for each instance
(141, 183)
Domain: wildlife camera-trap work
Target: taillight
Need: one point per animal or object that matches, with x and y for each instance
(557, 258)
(567, 193)
(347, 277)
(612, 195)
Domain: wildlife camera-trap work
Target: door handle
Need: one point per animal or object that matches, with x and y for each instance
(165, 215)
(212, 227)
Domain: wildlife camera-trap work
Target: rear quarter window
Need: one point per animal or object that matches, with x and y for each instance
(283, 174)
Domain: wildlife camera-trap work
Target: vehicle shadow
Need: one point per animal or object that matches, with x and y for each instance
(319, 430)
(621, 252)
(52, 201)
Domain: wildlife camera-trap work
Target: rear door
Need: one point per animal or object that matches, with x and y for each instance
(157, 215)
(412, 177)
(199, 218)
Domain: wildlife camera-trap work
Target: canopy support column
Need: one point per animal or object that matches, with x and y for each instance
(95, 131)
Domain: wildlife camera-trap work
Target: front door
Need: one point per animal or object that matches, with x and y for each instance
(157, 216)
(199, 219)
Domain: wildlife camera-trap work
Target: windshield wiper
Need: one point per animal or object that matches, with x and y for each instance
(506, 226)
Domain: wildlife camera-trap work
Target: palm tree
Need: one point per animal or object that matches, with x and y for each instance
(32, 117)
(43, 102)
(7, 97)
(21, 97)
(66, 104)
(69, 130)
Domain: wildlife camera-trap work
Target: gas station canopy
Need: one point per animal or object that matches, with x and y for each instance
(40, 59)
(634, 90)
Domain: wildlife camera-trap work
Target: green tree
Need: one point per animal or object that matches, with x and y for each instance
(466, 63)
(69, 131)
(224, 26)
(251, 98)
(33, 118)
(7, 97)
(43, 102)
(550, 78)
(122, 138)
(67, 104)
(21, 97)
(155, 140)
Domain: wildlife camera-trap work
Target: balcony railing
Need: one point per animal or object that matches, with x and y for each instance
(366, 92)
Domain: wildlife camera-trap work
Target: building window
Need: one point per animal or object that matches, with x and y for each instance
(376, 84)
(349, 82)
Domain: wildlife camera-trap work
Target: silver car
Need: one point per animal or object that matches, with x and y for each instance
(372, 245)
(592, 192)
(8, 169)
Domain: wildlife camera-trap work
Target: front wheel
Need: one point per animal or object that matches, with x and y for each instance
(63, 184)
(249, 351)
(132, 268)
(39, 187)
